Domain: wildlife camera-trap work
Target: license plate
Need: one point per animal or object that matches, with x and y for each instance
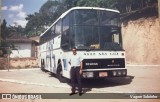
(103, 74)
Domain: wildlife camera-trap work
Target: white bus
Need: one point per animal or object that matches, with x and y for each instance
(95, 32)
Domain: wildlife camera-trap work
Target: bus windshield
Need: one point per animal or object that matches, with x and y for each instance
(96, 29)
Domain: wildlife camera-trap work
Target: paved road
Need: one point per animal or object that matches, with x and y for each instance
(141, 79)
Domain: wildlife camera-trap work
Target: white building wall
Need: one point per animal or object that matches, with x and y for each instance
(24, 50)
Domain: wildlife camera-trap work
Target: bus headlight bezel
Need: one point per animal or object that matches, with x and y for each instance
(88, 74)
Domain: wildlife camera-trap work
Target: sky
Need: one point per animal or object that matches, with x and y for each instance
(15, 11)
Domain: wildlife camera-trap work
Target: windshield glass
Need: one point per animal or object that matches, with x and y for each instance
(109, 18)
(88, 37)
(85, 17)
(95, 29)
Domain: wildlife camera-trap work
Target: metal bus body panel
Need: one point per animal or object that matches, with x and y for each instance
(99, 44)
(104, 61)
(50, 53)
(96, 61)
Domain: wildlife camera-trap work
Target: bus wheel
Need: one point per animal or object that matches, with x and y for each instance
(42, 65)
(59, 74)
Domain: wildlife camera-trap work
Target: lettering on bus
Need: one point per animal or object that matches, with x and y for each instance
(114, 53)
(89, 54)
(91, 64)
(103, 53)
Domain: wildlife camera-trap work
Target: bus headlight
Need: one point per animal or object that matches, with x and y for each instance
(114, 73)
(84, 75)
(119, 73)
(124, 72)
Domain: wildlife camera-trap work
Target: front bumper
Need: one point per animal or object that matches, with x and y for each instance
(104, 74)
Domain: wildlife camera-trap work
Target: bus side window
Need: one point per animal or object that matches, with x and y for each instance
(65, 33)
(53, 33)
(65, 40)
(58, 28)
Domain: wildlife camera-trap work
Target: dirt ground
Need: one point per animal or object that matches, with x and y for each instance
(35, 81)
(141, 41)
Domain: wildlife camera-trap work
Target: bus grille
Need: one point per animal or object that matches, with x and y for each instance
(103, 63)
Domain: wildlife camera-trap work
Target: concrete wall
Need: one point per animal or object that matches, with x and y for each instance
(24, 50)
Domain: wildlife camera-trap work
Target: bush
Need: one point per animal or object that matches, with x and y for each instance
(3, 63)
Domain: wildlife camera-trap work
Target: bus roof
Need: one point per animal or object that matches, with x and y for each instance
(76, 8)
(96, 8)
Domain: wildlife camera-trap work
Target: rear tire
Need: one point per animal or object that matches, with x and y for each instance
(59, 74)
(42, 65)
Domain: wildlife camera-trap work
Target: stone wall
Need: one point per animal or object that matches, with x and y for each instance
(19, 63)
(3, 63)
(24, 62)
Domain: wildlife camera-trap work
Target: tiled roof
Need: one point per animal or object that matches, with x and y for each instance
(18, 38)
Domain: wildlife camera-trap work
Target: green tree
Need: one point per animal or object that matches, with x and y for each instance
(6, 46)
(67, 4)
(47, 14)
(16, 29)
(4, 32)
(93, 3)
(34, 23)
(52, 9)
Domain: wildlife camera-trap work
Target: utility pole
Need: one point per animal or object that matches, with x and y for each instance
(8, 57)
